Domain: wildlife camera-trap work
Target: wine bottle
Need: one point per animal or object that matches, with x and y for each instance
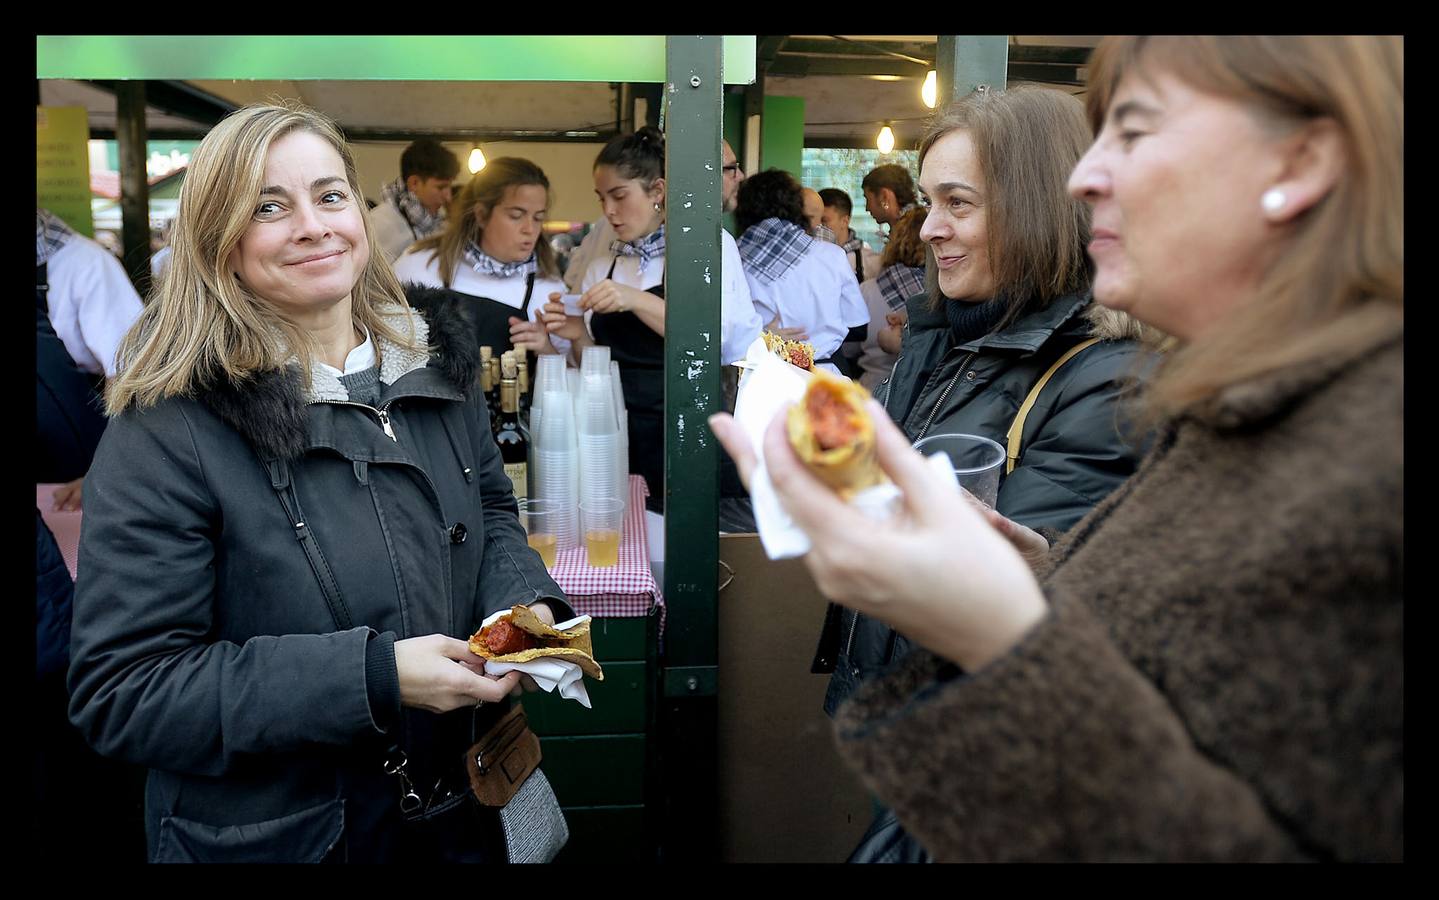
(487, 385)
(514, 446)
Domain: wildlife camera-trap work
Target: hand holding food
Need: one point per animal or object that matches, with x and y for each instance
(430, 679)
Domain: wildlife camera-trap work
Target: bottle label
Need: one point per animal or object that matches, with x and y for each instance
(519, 477)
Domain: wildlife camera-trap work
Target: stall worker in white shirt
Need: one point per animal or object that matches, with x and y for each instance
(91, 300)
(797, 281)
(413, 207)
(493, 250)
(623, 304)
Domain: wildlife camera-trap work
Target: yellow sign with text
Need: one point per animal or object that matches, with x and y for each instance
(62, 165)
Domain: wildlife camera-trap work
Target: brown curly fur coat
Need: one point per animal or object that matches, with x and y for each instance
(1221, 676)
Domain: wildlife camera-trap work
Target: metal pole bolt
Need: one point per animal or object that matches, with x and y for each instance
(694, 81)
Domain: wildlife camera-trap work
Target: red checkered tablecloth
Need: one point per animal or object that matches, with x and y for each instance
(626, 590)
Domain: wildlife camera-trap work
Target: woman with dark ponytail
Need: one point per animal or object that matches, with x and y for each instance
(623, 302)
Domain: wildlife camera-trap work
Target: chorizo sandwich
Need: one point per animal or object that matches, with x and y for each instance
(519, 636)
(833, 435)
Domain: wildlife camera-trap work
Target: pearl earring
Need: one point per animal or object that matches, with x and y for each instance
(657, 207)
(1273, 200)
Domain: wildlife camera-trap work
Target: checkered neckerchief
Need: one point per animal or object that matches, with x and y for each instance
(51, 233)
(651, 246)
(853, 244)
(486, 264)
(424, 222)
(823, 233)
(769, 248)
(898, 283)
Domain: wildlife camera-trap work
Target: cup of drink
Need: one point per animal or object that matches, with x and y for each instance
(541, 523)
(977, 462)
(600, 520)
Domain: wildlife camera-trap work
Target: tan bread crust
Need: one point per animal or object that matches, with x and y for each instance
(573, 644)
(848, 469)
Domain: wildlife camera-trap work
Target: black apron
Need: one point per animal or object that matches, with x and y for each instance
(640, 351)
(491, 318)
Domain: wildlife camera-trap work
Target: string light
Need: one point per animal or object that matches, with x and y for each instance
(930, 92)
(885, 141)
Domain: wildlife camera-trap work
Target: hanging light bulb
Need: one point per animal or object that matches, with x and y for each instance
(477, 160)
(885, 142)
(930, 92)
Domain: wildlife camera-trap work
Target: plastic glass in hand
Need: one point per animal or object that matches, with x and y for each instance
(977, 462)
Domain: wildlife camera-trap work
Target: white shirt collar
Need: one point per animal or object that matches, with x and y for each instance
(358, 360)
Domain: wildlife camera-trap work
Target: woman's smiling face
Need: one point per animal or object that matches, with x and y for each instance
(305, 247)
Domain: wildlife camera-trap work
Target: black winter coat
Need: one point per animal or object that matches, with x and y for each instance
(1074, 449)
(203, 645)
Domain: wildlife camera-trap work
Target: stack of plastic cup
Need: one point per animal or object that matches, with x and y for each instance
(549, 376)
(622, 417)
(599, 438)
(557, 464)
(596, 360)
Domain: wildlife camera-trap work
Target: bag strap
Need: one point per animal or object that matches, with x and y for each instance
(285, 490)
(1016, 431)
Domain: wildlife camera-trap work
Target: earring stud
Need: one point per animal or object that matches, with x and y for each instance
(1273, 200)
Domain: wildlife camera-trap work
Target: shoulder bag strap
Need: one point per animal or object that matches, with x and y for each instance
(1016, 430)
(285, 490)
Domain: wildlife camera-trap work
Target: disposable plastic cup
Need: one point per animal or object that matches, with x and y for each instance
(540, 521)
(601, 519)
(596, 360)
(976, 461)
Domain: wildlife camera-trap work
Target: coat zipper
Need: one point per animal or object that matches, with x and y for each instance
(945, 396)
(382, 413)
(854, 623)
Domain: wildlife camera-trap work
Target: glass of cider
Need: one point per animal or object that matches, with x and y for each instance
(600, 521)
(540, 520)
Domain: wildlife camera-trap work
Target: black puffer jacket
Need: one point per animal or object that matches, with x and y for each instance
(1074, 450)
(203, 645)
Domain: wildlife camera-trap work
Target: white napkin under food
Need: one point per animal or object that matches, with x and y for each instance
(548, 672)
(768, 385)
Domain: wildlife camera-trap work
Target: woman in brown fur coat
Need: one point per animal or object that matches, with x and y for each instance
(1209, 666)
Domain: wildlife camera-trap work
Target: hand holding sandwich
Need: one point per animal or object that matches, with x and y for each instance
(939, 572)
(439, 673)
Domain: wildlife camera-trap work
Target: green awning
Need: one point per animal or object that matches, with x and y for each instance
(639, 58)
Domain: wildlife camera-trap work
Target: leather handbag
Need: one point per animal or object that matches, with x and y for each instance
(502, 759)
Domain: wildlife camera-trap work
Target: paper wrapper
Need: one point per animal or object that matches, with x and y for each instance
(767, 386)
(552, 668)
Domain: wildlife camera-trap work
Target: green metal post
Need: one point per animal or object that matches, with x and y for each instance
(134, 186)
(966, 61)
(694, 119)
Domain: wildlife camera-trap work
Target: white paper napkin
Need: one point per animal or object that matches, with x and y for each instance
(548, 672)
(768, 385)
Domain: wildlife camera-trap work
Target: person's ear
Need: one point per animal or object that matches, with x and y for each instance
(1312, 161)
(657, 192)
(412, 183)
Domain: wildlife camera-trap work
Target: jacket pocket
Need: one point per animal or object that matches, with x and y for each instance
(305, 836)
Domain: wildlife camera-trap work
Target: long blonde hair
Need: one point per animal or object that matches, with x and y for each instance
(479, 198)
(200, 323)
(1340, 279)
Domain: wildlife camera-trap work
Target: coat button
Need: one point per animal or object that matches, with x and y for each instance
(969, 376)
(458, 533)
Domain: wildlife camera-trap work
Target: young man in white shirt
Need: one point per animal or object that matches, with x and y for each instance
(414, 206)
